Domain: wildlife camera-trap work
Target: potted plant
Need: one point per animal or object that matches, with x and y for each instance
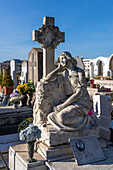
(25, 123)
(1, 76)
(7, 83)
(24, 89)
(92, 83)
(15, 101)
(14, 98)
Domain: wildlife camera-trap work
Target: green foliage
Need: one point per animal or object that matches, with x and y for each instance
(87, 79)
(15, 100)
(24, 124)
(26, 88)
(7, 80)
(1, 77)
(31, 87)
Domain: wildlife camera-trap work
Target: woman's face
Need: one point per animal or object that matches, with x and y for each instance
(63, 60)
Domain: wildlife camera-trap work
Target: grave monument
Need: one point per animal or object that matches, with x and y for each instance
(13, 68)
(35, 65)
(62, 102)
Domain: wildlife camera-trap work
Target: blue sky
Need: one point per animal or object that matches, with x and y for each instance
(88, 26)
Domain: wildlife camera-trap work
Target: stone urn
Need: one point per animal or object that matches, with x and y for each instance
(31, 151)
(23, 99)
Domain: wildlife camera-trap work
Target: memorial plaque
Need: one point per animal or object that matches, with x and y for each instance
(86, 150)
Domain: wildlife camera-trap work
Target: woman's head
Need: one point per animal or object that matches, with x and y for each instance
(66, 57)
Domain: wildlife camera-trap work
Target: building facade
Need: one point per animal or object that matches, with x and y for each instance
(102, 66)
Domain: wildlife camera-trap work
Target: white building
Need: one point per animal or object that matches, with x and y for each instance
(102, 66)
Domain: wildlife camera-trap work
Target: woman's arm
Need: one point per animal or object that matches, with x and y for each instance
(78, 93)
(52, 74)
(73, 98)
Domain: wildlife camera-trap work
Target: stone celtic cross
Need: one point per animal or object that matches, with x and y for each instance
(48, 36)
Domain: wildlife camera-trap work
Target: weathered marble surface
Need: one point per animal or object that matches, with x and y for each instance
(49, 37)
(69, 164)
(59, 152)
(53, 137)
(17, 159)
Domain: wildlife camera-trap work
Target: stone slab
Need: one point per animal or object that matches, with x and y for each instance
(59, 152)
(55, 152)
(10, 118)
(69, 164)
(86, 150)
(9, 140)
(17, 159)
(53, 137)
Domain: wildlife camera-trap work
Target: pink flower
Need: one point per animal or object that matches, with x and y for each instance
(91, 112)
(92, 81)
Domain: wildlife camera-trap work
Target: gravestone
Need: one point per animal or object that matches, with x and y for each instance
(24, 72)
(102, 107)
(86, 150)
(48, 36)
(35, 65)
(79, 62)
(13, 68)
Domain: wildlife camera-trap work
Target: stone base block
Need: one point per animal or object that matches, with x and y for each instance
(55, 152)
(17, 159)
(105, 133)
(53, 137)
(58, 152)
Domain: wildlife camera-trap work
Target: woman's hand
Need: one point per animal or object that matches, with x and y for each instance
(58, 108)
(61, 66)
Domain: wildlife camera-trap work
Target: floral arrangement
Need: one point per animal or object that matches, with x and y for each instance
(92, 81)
(30, 133)
(26, 88)
(15, 100)
(14, 97)
(25, 123)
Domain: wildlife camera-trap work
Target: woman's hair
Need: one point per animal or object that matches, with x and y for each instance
(68, 56)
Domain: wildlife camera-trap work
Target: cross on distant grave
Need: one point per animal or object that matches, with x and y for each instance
(48, 36)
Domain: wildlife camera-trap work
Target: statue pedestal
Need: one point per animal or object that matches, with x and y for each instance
(53, 137)
(17, 159)
(54, 153)
(54, 144)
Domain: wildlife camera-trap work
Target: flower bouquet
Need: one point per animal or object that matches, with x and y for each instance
(26, 88)
(29, 135)
(14, 98)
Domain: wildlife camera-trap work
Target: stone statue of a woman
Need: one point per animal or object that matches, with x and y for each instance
(62, 97)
